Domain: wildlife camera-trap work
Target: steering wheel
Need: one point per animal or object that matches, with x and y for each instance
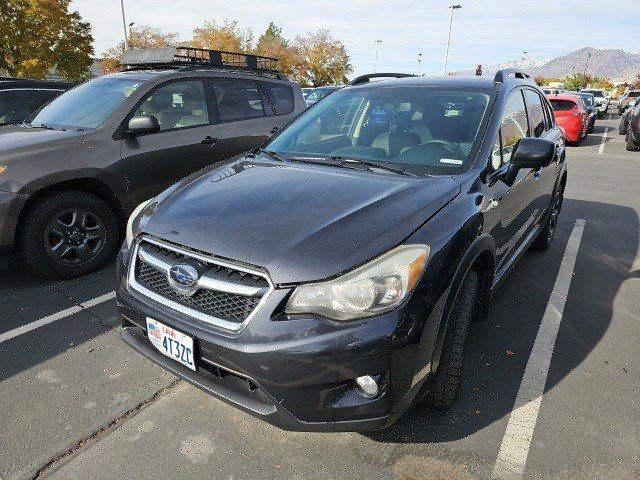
(450, 147)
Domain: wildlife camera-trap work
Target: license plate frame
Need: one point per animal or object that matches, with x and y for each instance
(172, 343)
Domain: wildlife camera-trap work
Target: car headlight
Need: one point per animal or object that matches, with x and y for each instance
(133, 224)
(376, 287)
(2, 169)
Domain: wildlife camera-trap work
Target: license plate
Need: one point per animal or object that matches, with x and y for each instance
(172, 343)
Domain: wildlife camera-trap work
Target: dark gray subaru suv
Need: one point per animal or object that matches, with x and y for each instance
(70, 175)
(327, 281)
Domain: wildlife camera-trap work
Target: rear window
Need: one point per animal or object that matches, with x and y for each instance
(562, 105)
(282, 96)
(238, 99)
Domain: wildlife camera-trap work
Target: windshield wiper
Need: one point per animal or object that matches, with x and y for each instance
(46, 126)
(271, 153)
(383, 166)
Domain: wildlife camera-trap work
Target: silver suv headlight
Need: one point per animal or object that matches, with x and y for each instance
(375, 287)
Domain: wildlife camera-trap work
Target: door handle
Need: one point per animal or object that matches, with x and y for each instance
(209, 140)
(273, 130)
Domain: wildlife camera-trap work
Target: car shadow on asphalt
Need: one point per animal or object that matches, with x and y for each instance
(27, 296)
(498, 349)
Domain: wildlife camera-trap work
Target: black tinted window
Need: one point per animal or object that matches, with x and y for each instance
(562, 105)
(14, 106)
(536, 113)
(45, 96)
(238, 99)
(282, 96)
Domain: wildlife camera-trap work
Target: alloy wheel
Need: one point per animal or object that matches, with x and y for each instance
(75, 236)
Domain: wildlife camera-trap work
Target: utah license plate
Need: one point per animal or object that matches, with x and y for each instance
(172, 343)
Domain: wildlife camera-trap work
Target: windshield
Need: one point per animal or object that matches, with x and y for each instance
(633, 94)
(317, 94)
(423, 130)
(595, 93)
(88, 105)
(588, 99)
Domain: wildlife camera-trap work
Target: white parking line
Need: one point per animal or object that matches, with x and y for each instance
(604, 138)
(522, 421)
(55, 317)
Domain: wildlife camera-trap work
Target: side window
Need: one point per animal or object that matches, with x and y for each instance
(45, 96)
(548, 113)
(14, 106)
(513, 125)
(282, 96)
(496, 154)
(177, 105)
(536, 113)
(237, 99)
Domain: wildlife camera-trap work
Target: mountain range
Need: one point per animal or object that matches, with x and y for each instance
(615, 64)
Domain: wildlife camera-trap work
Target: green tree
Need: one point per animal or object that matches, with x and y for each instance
(228, 37)
(272, 44)
(37, 36)
(324, 60)
(143, 36)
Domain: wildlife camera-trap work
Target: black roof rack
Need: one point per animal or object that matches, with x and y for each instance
(191, 58)
(505, 73)
(367, 78)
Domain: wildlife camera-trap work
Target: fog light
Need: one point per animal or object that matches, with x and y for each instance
(367, 386)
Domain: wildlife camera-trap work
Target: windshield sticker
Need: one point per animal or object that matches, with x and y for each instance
(452, 161)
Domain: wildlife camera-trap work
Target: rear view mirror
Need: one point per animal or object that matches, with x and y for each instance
(143, 124)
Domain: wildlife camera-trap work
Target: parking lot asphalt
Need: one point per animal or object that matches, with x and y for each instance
(77, 403)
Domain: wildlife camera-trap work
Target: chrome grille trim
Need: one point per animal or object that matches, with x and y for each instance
(209, 283)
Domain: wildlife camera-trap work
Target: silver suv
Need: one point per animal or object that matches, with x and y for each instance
(628, 100)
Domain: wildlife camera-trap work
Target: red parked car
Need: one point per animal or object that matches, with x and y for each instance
(571, 115)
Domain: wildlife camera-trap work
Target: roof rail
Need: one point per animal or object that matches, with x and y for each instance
(196, 58)
(367, 78)
(502, 75)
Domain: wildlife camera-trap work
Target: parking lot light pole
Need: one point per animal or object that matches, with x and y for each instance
(375, 57)
(446, 51)
(124, 26)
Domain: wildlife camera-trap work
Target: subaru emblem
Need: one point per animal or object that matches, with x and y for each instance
(183, 278)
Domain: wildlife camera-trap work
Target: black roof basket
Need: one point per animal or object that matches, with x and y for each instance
(505, 73)
(367, 78)
(195, 58)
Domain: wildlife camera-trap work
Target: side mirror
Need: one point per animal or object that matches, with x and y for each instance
(143, 124)
(528, 153)
(533, 153)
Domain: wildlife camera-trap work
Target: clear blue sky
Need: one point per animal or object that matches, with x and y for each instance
(485, 32)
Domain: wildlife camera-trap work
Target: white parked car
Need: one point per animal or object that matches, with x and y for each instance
(602, 100)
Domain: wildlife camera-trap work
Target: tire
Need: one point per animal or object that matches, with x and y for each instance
(56, 242)
(631, 145)
(446, 386)
(545, 237)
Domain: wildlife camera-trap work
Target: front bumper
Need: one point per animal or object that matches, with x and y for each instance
(10, 206)
(294, 373)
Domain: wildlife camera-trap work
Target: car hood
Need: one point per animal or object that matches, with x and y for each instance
(18, 139)
(300, 222)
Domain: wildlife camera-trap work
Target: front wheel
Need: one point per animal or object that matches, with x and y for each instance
(545, 237)
(69, 234)
(444, 391)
